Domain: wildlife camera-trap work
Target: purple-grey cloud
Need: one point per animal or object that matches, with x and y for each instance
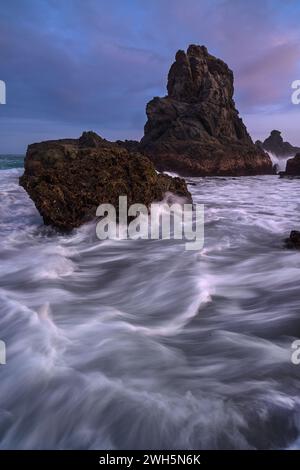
(94, 64)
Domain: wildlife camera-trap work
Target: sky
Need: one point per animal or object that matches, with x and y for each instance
(75, 65)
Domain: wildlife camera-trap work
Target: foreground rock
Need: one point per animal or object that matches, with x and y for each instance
(196, 130)
(276, 145)
(68, 179)
(294, 240)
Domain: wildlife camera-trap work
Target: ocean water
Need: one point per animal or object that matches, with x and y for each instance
(143, 345)
(11, 161)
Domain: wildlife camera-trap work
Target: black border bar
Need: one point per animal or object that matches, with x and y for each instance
(146, 459)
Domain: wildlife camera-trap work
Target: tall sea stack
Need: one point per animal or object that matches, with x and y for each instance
(196, 129)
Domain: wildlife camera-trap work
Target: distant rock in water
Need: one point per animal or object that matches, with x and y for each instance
(294, 240)
(68, 179)
(276, 145)
(292, 167)
(196, 130)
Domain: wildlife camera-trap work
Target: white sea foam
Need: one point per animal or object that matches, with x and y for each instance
(280, 162)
